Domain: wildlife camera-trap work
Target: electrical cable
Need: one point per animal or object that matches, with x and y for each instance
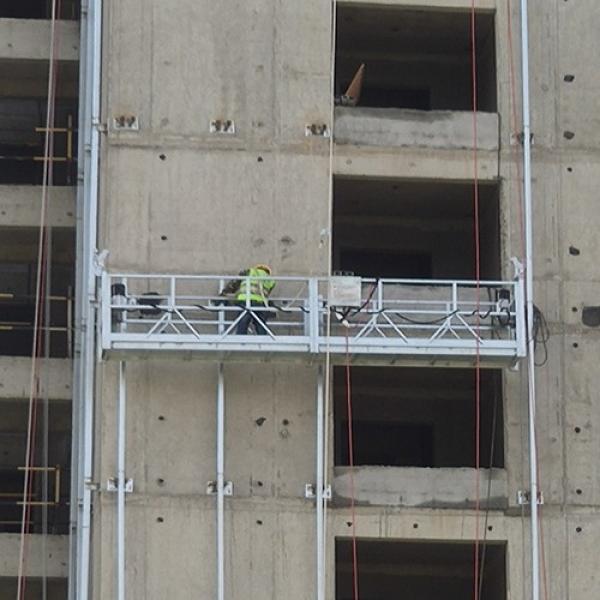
(541, 334)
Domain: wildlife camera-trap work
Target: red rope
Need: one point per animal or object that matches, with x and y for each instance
(39, 320)
(351, 464)
(478, 301)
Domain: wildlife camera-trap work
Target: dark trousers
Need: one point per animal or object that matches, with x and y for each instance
(248, 320)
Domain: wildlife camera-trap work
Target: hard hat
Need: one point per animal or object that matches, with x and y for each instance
(266, 268)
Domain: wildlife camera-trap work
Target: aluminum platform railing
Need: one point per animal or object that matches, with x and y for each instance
(398, 320)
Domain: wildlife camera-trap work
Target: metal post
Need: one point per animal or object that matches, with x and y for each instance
(85, 324)
(220, 484)
(534, 492)
(320, 491)
(313, 314)
(121, 444)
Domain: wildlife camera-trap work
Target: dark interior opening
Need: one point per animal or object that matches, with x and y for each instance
(18, 281)
(417, 59)
(420, 570)
(22, 147)
(56, 588)
(38, 9)
(402, 418)
(414, 229)
(50, 486)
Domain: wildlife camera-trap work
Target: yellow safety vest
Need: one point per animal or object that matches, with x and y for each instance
(255, 290)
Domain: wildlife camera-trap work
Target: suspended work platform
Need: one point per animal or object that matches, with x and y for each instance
(375, 321)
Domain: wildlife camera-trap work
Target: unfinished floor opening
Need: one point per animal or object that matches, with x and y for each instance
(414, 229)
(53, 588)
(39, 9)
(18, 275)
(404, 417)
(420, 570)
(418, 59)
(22, 141)
(50, 475)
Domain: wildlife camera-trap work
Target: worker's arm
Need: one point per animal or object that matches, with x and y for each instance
(233, 286)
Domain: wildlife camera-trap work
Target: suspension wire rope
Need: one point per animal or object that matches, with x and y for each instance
(40, 314)
(474, 94)
(350, 434)
(514, 123)
(328, 233)
(489, 490)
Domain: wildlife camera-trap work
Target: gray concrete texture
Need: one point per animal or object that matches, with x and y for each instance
(20, 206)
(15, 378)
(26, 39)
(266, 66)
(392, 127)
(55, 564)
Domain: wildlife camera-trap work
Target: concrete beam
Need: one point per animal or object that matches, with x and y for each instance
(29, 39)
(413, 163)
(57, 555)
(15, 373)
(423, 488)
(424, 4)
(20, 206)
(396, 127)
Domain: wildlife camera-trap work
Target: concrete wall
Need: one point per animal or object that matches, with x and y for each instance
(177, 198)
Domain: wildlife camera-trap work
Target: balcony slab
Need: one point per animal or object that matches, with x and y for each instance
(29, 39)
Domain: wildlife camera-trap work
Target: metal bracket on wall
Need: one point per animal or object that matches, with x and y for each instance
(524, 497)
(125, 123)
(211, 488)
(517, 138)
(93, 486)
(112, 485)
(317, 129)
(310, 492)
(224, 126)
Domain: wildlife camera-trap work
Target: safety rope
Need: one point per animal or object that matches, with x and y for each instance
(474, 90)
(39, 313)
(355, 594)
(489, 488)
(515, 130)
(329, 237)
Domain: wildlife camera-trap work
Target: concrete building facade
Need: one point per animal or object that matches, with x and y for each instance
(221, 146)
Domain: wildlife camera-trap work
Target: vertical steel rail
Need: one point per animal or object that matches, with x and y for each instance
(527, 198)
(313, 314)
(121, 446)
(75, 487)
(320, 487)
(85, 321)
(220, 484)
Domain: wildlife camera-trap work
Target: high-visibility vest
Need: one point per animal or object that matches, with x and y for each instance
(255, 290)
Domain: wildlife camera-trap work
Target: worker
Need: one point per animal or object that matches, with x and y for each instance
(252, 294)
